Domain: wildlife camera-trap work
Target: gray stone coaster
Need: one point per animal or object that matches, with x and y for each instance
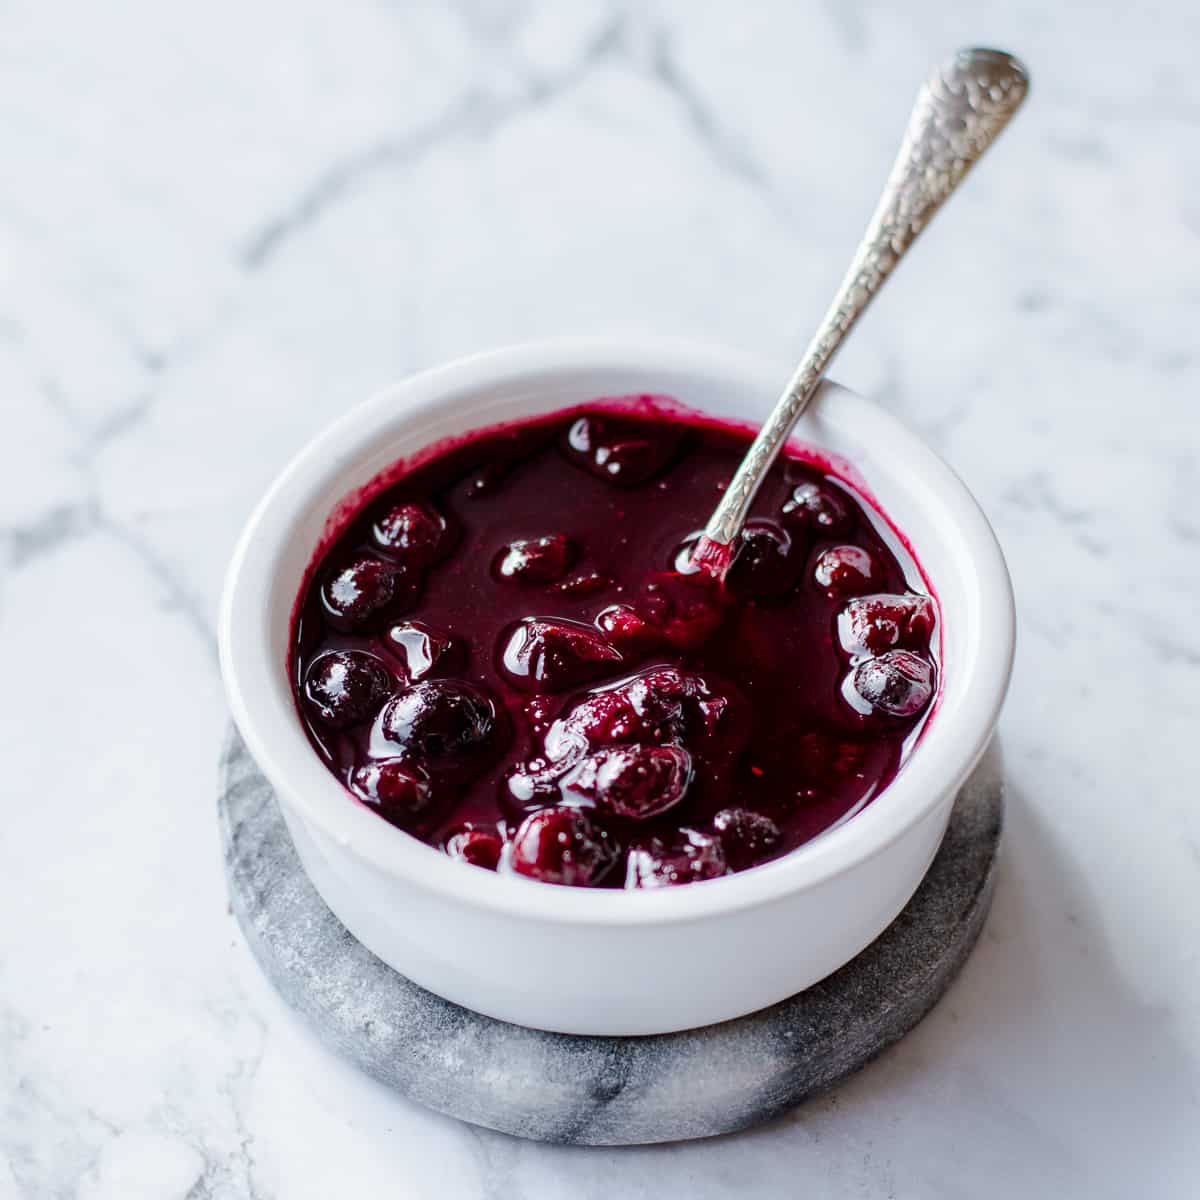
(601, 1090)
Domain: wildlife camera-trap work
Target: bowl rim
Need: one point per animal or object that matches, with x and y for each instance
(942, 759)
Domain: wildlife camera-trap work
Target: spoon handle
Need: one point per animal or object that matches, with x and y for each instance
(959, 111)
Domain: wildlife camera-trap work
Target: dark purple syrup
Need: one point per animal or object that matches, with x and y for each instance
(508, 655)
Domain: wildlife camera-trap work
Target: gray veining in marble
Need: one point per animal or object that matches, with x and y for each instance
(601, 1090)
(504, 170)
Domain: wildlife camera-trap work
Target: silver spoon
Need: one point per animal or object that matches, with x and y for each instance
(959, 111)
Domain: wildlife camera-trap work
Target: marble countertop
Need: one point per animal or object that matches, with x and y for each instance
(221, 225)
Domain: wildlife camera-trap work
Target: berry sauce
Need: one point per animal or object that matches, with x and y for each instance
(509, 654)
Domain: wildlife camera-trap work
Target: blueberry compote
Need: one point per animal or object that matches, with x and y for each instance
(509, 655)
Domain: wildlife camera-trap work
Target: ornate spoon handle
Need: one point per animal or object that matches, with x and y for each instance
(958, 113)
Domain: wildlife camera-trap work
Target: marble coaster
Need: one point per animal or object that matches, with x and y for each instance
(601, 1090)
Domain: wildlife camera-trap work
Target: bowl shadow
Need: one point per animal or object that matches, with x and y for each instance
(1041, 1071)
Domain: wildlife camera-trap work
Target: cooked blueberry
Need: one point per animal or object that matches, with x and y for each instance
(622, 452)
(647, 707)
(600, 719)
(360, 589)
(635, 782)
(541, 654)
(898, 683)
(764, 564)
(873, 624)
(415, 532)
(479, 847)
(535, 560)
(846, 570)
(690, 857)
(345, 687)
(817, 508)
(423, 649)
(625, 629)
(658, 706)
(398, 791)
(450, 728)
(665, 697)
(562, 845)
(747, 837)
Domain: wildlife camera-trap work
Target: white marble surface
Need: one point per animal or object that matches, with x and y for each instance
(222, 224)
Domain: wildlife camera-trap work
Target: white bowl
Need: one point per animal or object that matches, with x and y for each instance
(608, 961)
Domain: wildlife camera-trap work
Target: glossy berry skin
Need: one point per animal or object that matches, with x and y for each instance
(346, 687)
(545, 655)
(424, 650)
(627, 749)
(746, 837)
(397, 790)
(535, 560)
(764, 564)
(479, 847)
(361, 589)
(624, 628)
(818, 509)
(413, 532)
(846, 571)
(632, 782)
(562, 845)
(620, 453)
(532, 785)
(897, 684)
(647, 707)
(691, 857)
(660, 706)
(875, 624)
(451, 728)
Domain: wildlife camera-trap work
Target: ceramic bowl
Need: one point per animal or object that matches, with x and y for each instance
(609, 961)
